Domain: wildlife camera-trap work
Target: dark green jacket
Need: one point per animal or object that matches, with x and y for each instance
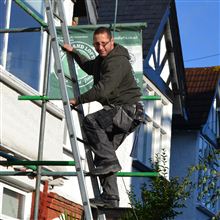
(114, 82)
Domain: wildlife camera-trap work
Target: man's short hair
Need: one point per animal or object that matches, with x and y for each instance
(101, 30)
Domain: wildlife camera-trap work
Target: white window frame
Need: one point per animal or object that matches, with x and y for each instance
(27, 202)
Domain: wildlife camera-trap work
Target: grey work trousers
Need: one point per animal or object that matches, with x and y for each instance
(105, 130)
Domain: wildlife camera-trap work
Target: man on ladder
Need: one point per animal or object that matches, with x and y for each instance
(116, 89)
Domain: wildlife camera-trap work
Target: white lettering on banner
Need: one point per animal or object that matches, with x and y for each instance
(126, 38)
(85, 81)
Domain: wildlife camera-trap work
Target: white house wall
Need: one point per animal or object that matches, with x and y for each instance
(20, 122)
(191, 147)
(185, 156)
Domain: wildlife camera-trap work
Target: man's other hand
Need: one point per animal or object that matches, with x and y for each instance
(73, 102)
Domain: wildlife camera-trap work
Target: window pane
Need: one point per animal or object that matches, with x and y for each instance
(20, 18)
(36, 6)
(24, 48)
(12, 204)
(2, 26)
(23, 58)
(2, 14)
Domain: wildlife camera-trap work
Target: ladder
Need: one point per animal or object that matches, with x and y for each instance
(66, 105)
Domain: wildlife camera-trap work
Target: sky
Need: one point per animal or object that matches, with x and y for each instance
(199, 25)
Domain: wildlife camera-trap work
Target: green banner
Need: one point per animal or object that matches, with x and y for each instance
(81, 37)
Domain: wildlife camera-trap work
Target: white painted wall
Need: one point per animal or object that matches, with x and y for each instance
(20, 121)
(183, 155)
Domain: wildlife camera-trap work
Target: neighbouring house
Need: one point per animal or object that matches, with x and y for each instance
(193, 140)
(163, 75)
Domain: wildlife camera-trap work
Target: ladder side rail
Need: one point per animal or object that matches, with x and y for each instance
(66, 39)
(67, 111)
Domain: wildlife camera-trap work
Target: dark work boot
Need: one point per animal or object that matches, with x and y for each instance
(106, 201)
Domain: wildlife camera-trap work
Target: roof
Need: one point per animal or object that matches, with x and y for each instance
(201, 85)
(201, 80)
(130, 11)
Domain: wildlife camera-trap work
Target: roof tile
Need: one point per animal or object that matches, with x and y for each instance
(201, 86)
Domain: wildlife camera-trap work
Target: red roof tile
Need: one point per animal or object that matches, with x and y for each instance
(200, 80)
(201, 86)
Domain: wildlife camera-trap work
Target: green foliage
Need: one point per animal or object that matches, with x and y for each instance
(209, 174)
(217, 217)
(208, 177)
(66, 216)
(162, 199)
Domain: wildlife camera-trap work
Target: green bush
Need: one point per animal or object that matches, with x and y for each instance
(162, 199)
(66, 216)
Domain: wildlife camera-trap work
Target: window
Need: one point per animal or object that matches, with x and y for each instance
(24, 50)
(212, 122)
(12, 203)
(2, 26)
(214, 117)
(207, 178)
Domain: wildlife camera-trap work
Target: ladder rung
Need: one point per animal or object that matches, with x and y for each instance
(82, 141)
(36, 163)
(58, 17)
(76, 109)
(150, 97)
(71, 79)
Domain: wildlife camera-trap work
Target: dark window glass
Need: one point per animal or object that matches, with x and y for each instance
(24, 48)
(2, 25)
(13, 204)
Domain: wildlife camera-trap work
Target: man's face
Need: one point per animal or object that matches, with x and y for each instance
(103, 44)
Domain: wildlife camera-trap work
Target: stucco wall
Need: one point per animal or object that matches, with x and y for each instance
(183, 155)
(20, 122)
